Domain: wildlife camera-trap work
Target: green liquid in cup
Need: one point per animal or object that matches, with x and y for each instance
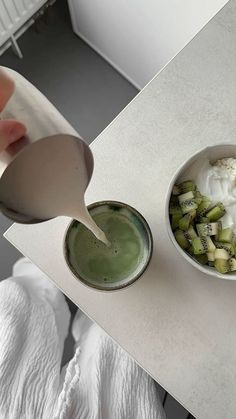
(109, 267)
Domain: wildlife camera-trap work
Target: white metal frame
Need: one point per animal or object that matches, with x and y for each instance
(15, 18)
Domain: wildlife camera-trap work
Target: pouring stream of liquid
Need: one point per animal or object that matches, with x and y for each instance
(48, 179)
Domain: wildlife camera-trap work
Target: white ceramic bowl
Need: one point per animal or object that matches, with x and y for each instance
(188, 171)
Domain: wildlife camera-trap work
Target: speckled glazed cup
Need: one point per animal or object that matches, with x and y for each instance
(105, 279)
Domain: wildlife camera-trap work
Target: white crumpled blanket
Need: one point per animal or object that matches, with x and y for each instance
(100, 382)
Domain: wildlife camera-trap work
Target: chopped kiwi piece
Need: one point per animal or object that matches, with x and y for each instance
(202, 259)
(232, 264)
(219, 230)
(187, 202)
(175, 190)
(209, 229)
(199, 258)
(198, 200)
(198, 194)
(198, 197)
(227, 246)
(190, 234)
(185, 197)
(199, 245)
(175, 221)
(181, 239)
(233, 241)
(204, 206)
(186, 220)
(201, 219)
(221, 254)
(203, 245)
(188, 206)
(216, 212)
(174, 207)
(211, 256)
(210, 245)
(222, 266)
(225, 235)
(190, 250)
(186, 186)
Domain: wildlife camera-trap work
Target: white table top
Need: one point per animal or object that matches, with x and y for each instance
(177, 323)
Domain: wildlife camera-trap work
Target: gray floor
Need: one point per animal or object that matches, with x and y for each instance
(87, 91)
(84, 87)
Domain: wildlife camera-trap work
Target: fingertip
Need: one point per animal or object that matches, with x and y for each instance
(10, 131)
(17, 131)
(7, 86)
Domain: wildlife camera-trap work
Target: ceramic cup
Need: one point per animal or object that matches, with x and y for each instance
(104, 279)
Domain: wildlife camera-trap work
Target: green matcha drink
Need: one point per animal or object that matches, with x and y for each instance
(123, 261)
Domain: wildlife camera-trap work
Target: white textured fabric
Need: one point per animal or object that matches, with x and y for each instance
(111, 384)
(100, 382)
(34, 321)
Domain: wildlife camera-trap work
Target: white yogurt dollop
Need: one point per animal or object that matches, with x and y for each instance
(218, 182)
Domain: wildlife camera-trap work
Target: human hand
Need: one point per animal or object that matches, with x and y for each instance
(10, 129)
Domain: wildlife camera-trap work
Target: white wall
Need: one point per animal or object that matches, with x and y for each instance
(140, 36)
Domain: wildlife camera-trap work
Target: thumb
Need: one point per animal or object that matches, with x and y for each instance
(10, 131)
